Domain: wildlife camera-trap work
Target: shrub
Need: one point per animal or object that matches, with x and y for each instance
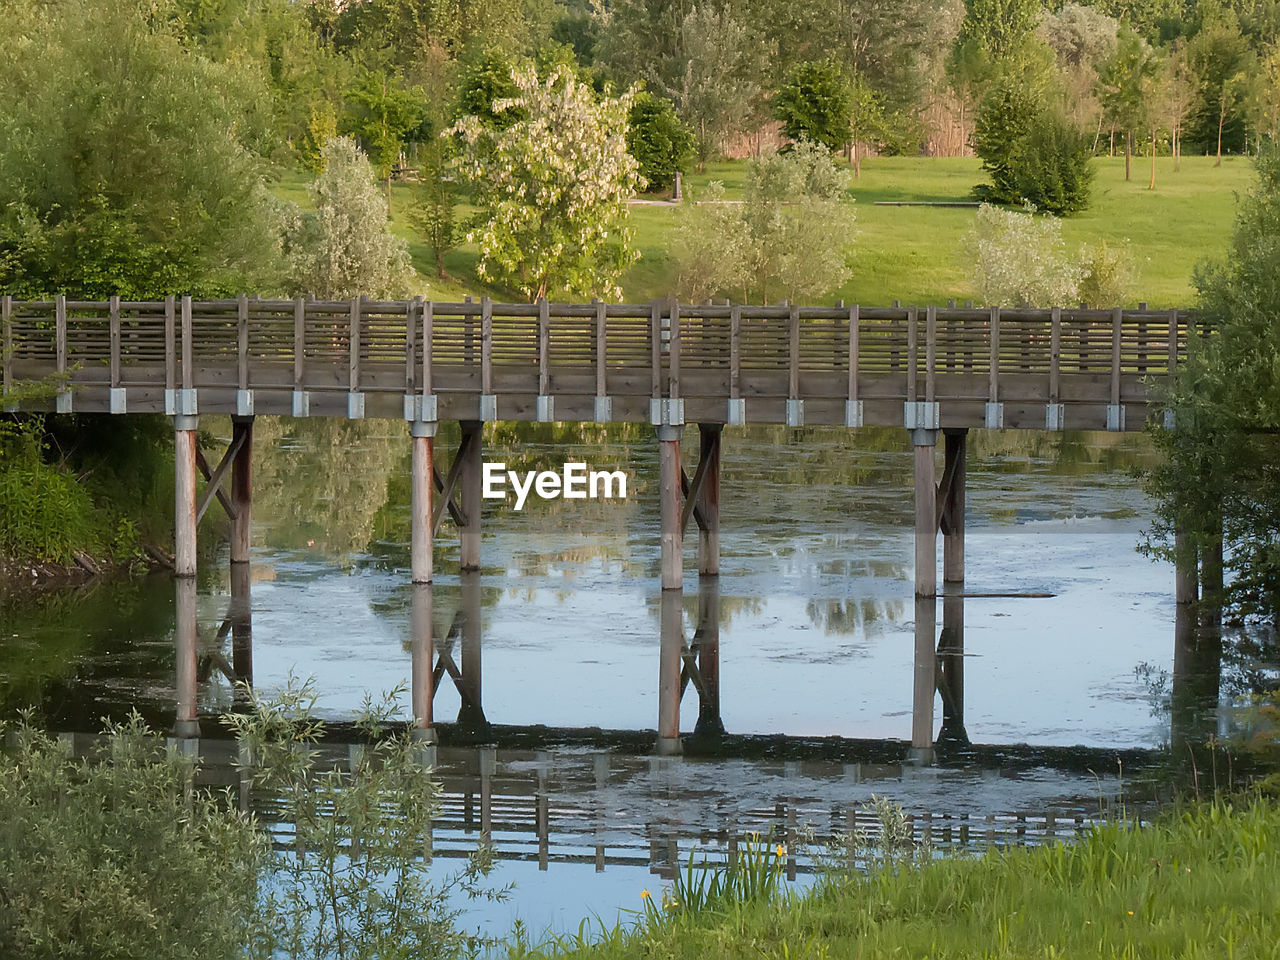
(814, 103)
(658, 139)
(1107, 275)
(45, 514)
(1020, 258)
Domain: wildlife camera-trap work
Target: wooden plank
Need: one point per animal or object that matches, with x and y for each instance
(854, 324)
(930, 353)
(428, 344)
(170, 344)
(993, 339)
(602, 334)
(1055, 352)
(6, 343)
(544, 347)
(793, 354)
(353, 347)
(1117, 323)
(1173, 340)
(113, 313)
(673, 355)
(299, 342)
(912, 332)
(735, 352)
(60, 332)
(242, 340)
(655, 346)
(410, 346)
(486, 345)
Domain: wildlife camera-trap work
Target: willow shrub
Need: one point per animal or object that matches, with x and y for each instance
(45, 514)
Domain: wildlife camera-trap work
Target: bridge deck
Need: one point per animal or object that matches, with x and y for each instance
(850, 366)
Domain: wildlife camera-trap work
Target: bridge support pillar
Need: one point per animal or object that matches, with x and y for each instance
(240, 613)
(926, 513)
(185, 724)
(925, 682)
(423, 663)
(670, 662)
(951, 671)
(241, 488)
(184, 513)
(421, 501)
(952, 503)
(471, 478)
(471, 715)
(707, 641)
(708, 501)
(672, 506)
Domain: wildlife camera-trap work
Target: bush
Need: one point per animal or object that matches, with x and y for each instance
(1107, 275)
(814, 103)
(1032, 152)
(1020, 258)
(45, 514)
(658, 139)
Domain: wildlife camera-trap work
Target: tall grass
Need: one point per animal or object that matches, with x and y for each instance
(1196, 883)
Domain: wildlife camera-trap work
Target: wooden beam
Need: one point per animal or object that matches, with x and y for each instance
(602, 338)
(1117, 323)
(6, 342)
(353, 347)
(735, 352)
(793, 354)
(930, 353)
(299, 343)
(113, 321)
(188, 346)
(1055, 353)
(655, 346)
(854, 324)
(673, 353)
(170, 344)
(912, 362)
(214, 478)
(428, 345)
(242, 341)
(993, 341)
(544, 347)
(411, 345)
(486, 346)
(60, 333)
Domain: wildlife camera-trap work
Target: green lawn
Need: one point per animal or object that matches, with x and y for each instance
(917, 254)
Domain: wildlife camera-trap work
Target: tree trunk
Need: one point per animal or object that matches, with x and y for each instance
(1222, 116)
(1177, 146)
(857, 162)
(1152, 184)
(1111, 149)
(1128, 152)
(1098, 135)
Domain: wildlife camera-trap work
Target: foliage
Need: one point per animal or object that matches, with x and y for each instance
(1221, 60)
(553, 187)
(1222, 462)
(346, 248)
(123, 162)
(814, 104)
(1032, 152)
(659, 141)
(487, 81)
(1080, 35)
(790, 238)
(385, 117)
(1107, 275)
(355, 883)
(44, 513)
(1020, 258)
(116, 856)
(434, 207)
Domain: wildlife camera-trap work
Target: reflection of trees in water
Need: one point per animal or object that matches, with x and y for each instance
(850, 616)
(727, 608)
(320, 483)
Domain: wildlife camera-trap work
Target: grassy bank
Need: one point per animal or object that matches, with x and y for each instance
(917, 254)
(1199, 883)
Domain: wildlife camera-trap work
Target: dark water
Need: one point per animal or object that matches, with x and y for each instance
(557, 645)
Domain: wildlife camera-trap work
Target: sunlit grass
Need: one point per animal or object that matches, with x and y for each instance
(917, 254)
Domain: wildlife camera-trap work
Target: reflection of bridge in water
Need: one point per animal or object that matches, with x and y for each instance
(603, 797)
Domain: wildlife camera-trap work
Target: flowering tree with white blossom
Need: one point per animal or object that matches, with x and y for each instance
(553, 188)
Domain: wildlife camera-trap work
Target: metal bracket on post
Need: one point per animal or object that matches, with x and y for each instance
(737, 413)
(604, 409)
(666, 413)
(920, 415)
(795, 413)
(420, 408)
(546, 409)
(924, 436)
(355, 405)
(1115, 417)
(488, 407)
(119, 401)
(853, 413)
(244, 403)
(1055, 417)
(188, 403)
(302, 403)
(63, 402)
(994, 416)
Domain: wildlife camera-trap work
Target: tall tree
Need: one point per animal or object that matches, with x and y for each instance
(814, 103)
(1125, 87)
(1220, 57)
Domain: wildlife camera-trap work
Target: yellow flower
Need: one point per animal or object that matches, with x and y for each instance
(644, 894)
(1131, 913)
(782, 851)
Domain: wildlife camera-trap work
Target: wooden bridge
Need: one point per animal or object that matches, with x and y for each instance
(929, 370)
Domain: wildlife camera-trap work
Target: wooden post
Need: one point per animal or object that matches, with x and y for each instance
(993, 337)
(925, 680)
(423, 663)
(735, 352)
(184, 515)
(926, 515)
(188, 345)
(1186, 584)
(912, 349)
(241, 616)
(670, 661)
(655, 346)
(673, 355)
(353, 348)
(672, 506)
(113, 322)
(1055, 352)
(486, 346)
(602, 341)
(853, 352)
(707, 636)
(544, 347)
(6, 342)
(185, 639)
(170, 349)
(793, 354)
(471, 712)
(242, 342)
(241, 489)
(931, 353)
(421, 505)
(709, 435)
(428, 344)
(1117, 320)
(299, 343)
(953, 506)
(470, 478)
(951, 668)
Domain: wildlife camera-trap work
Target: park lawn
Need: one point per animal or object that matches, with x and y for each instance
(919, 254)
(1193, 884)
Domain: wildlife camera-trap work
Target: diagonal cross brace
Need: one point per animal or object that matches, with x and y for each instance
(446, 485)
(691, 491)
(215, 478)
(946, 491)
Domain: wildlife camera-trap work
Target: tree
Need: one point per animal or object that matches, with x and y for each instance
(1020, 258)
(1125, 85)
(659, 141)
(709, 247)
(998, 28)
(486, 80)
(553, 188)
(1217, 490)
(1220, 58)
(123, 163)
(346, 249)
(1264, 96)
(813, 104)
(384, 116)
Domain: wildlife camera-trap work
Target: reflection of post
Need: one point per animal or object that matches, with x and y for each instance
(600, 764)
(471, 478)
(241, 489)
(671, 507)
(709, 499)
(488, 763)
(953, 507)
(241, 615)
(706, 639)
(926, 514)
(925, 685)
(669, 663)
(184, 634)
(1197, 666)
(423, 680)
(951, 670)
(471, 711)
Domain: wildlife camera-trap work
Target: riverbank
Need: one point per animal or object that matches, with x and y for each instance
(1196, 882)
